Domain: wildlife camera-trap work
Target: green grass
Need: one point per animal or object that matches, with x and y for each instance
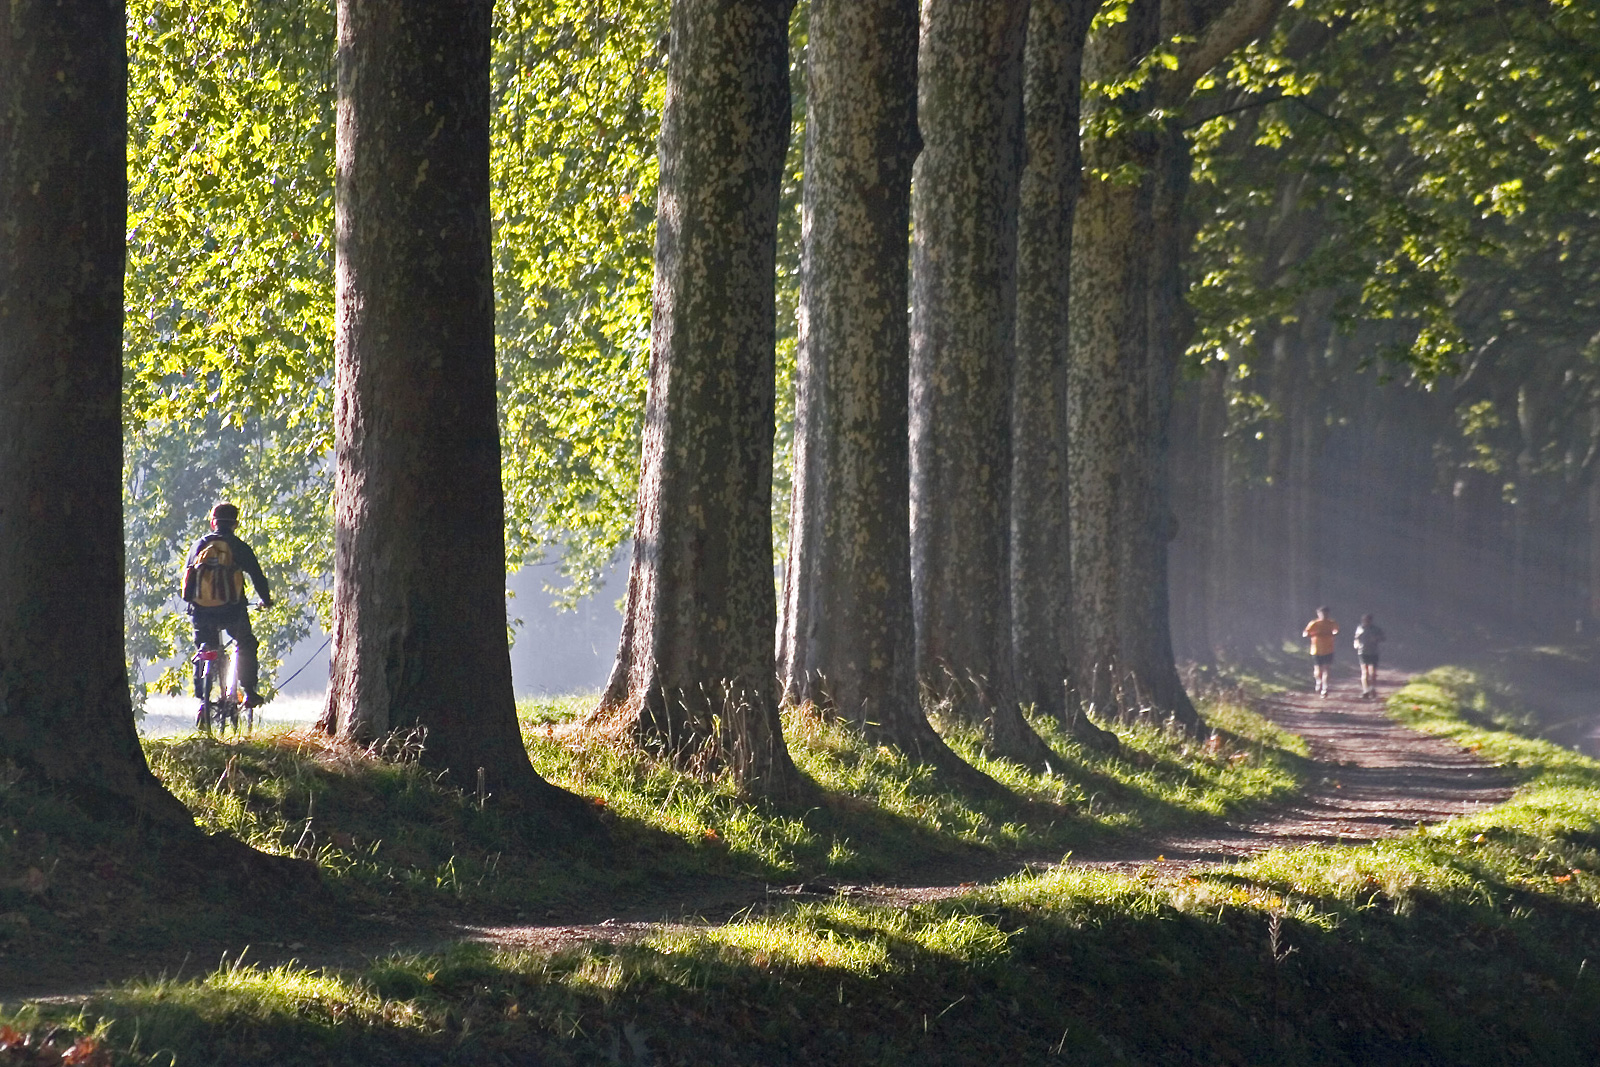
(1471, 942)
(386, 827)
(397, 846)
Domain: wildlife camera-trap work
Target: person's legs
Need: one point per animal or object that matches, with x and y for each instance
(206, 632)
(238, 627)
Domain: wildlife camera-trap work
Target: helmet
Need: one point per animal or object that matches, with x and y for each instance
(225, 513)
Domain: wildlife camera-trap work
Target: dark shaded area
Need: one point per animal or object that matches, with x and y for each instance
(1444, 983)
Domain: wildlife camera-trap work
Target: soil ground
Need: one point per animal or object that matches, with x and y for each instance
(1375, 778)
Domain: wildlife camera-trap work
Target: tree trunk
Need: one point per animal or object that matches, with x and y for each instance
(1041, 573)
(1593, 545)
(65, 714)
(964, 206)
(419, 630)
(1146, 626)
(1108, 355)
(846, 639)
(1127, 244)
(694, 677)
(66, 717)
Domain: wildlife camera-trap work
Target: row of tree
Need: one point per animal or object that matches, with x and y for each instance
(230, 296)
(980, 512)
(943, 462)
(418, 637)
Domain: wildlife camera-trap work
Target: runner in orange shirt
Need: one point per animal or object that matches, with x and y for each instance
(1322, 630)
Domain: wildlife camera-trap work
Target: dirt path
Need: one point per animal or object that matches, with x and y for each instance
(1378, 779)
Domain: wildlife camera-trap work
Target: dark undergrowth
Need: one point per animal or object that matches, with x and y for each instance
(1470, 942)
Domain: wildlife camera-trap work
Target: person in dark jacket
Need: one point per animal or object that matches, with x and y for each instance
(1369, 642)
(216, 600)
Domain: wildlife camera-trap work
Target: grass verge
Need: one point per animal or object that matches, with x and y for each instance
(1470, 942)
(388, 829)
(397, 846)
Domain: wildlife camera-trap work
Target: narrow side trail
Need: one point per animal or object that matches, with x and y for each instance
(1375, 778)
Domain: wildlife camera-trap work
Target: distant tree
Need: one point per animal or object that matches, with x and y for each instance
(846, 643)
(1386, 197)
(1042, 642)
(228, 334)
(964, 207)
(419, 628)
(694, 677)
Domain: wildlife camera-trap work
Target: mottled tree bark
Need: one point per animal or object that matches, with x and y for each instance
(846, 643)
(1108, 349)
(65, 715)
(419, 630)
(694, 677)
(1041, 572)
(964, 206)
(1146, 656)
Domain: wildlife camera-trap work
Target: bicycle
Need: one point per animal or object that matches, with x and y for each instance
(219, 669)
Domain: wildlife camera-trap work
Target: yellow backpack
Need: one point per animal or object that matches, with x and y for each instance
(213, 580)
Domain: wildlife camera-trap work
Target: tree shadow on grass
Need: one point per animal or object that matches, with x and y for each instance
(1130, 976)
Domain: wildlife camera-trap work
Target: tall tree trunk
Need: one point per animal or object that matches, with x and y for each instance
(1593, 546)
(1278, 603)
(1183, 560)
(1109, 339)
(419, 631)
(694, 676)
(65, 714)
(1041, 572)
(846, 642)
(964, 207)
(1119, 397)
(1146, 626)
(66, 718)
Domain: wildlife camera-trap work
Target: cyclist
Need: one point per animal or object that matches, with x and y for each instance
(213, 588)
